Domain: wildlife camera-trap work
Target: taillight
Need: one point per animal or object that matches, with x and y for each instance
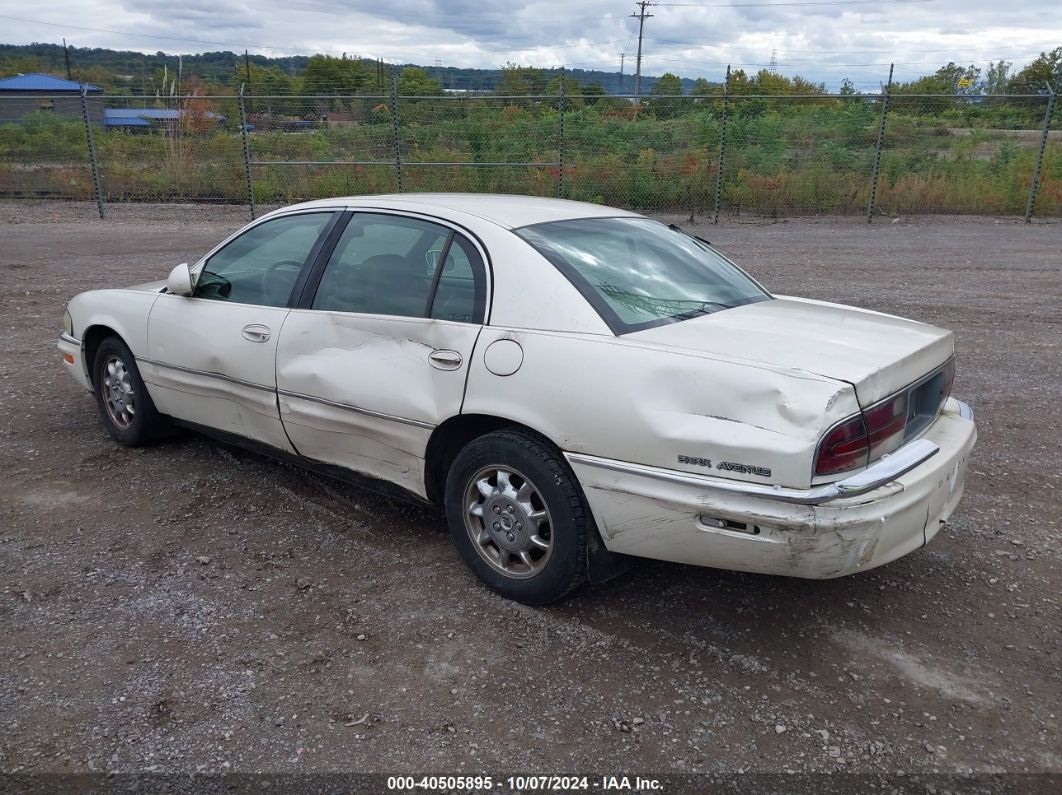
(885, 426)
(864, 438)
(843, 448)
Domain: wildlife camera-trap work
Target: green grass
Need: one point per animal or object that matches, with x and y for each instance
(781, 158)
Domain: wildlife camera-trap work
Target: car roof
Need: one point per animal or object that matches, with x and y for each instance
(505, 210)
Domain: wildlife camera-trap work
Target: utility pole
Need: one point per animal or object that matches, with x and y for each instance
(641, 16)
(247, 73)
(66, 55)
(623, 57)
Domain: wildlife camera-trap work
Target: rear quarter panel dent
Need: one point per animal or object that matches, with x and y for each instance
(631, 402)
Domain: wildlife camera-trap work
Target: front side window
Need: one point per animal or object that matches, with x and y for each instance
(261, 265)
(638, 273)
(388, 265)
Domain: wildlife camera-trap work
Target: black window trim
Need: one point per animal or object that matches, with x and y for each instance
(308, 291)
(306, 287)
(615, 324)
(439, 267)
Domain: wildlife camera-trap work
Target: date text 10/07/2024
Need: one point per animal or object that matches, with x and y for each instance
(524, 783)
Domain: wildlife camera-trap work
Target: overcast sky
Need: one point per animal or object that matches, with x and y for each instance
(824, 41)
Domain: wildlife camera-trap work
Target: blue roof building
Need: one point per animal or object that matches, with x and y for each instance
(37, 83)
(22, 96)
(146, 118)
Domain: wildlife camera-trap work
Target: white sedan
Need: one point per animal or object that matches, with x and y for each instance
(574, 383)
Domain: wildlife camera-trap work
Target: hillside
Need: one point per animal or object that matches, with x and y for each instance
(131, 72)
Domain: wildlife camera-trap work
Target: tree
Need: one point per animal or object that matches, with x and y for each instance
(702, 88)
(768, 82)
(664, 102)
(948, 79)
(997, 75)
(1034, 78)
(593, 91)
(416, 82)
(740, 83)
(271, 82)
(325, 74)
(847, 87)
(519, 80)
(22, 64)
(572, 91)
(799, 85)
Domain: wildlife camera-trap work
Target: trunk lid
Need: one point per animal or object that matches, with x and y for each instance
(877, 353)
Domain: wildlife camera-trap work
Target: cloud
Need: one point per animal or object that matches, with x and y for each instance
(822, 43)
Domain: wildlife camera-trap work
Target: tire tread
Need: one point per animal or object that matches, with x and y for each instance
(546, 453)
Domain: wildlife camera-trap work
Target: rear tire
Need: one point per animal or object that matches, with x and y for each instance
(518, 517)
(128, 414)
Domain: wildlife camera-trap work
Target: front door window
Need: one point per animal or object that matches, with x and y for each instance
(261, 265)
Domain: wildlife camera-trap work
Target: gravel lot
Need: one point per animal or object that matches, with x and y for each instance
(191, 607)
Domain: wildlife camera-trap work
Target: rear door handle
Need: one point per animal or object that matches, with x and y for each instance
(445, 360)
(256, 332)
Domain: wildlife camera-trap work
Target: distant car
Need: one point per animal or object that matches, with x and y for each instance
(574, 383)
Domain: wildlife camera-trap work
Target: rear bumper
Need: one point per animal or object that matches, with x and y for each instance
(889, 510)
(73, 359)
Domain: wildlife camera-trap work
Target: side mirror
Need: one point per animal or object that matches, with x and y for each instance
(180, 280)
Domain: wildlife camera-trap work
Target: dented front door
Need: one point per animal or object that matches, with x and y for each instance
(365, 392)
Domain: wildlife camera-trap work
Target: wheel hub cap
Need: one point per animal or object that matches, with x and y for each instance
(116, 388)
(507, 520)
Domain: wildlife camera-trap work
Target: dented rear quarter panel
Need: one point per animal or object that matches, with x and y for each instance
(618, 398)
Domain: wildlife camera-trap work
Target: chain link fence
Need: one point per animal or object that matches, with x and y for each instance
(712, 155)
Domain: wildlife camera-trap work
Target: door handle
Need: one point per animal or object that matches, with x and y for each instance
(445, 360)
(256, 332)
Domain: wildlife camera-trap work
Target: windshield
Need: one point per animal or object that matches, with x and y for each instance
(638, 273)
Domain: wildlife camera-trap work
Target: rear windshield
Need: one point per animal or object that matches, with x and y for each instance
(639, 273)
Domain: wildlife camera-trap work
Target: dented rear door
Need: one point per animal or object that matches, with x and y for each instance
(378, 355)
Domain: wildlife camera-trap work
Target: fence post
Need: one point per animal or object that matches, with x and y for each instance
(246, 153)
(394, 133)
(873, 198)
(93, 162)
(1035, 186)
(722, 148)
(560, 139)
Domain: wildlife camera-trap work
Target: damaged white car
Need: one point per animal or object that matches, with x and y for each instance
(574, 383)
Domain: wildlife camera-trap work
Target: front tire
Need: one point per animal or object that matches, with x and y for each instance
(518, 517)
(125, 407)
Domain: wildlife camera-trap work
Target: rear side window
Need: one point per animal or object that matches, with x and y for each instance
(638, 273)
(390, 265)
(460, 294)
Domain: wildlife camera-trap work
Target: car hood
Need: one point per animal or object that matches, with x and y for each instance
(149, 287)
(876, 353)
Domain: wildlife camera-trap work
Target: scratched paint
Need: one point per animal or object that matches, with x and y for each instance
(659, 519)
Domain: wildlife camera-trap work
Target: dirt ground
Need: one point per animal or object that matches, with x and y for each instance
(191, 607)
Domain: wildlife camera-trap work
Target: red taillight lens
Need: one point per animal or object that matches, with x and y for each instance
(862, 439)
(885, 426)
(843, 448)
